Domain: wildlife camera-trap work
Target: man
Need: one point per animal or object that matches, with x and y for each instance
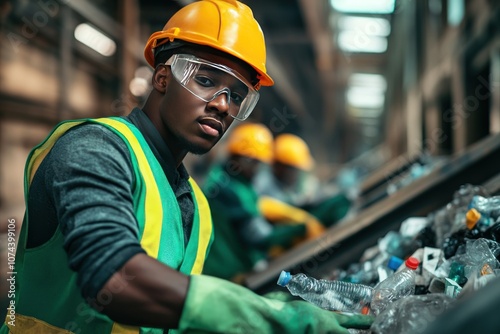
(115, 232)
(284, 180)
(289, 180)
(245, 239)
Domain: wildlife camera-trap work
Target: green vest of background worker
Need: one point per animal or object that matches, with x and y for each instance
(244, 237)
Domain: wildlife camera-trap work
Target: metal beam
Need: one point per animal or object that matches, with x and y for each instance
(97, 17)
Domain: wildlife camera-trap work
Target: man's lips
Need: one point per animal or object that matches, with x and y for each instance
(211, 126)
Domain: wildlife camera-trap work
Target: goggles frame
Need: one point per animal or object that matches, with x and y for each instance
(186, 74)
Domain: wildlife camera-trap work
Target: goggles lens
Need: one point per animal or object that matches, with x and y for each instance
(207, 80)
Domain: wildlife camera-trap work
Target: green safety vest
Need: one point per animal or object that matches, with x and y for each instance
(47, 297)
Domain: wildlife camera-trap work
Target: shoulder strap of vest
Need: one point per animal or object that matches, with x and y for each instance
(205, 229)
(153, 213)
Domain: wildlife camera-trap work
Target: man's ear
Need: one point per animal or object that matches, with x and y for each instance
(161, 78)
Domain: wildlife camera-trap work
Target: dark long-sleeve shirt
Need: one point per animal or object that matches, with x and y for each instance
(84, 187)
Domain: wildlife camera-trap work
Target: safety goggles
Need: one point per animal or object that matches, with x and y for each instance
(207, 80)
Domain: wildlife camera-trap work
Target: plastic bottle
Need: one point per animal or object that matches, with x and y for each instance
(327, 294)
(488, 207)
(392, 265)
(396, 286)
(365, 274)
(455, 243)
(457, 208)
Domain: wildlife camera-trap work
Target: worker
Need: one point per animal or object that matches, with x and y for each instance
(290, 180)
(116, 233)
(245, 240)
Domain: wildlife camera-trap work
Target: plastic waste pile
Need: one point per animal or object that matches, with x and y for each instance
(414, 274)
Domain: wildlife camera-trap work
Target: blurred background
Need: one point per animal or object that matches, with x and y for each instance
(363, 82)
(372, 86)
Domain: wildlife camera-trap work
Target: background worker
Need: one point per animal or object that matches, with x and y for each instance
(115, 233)
(244, 237)
(290, 180)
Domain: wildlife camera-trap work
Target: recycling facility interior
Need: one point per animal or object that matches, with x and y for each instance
(372, 86)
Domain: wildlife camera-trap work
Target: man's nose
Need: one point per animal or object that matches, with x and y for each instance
(221, 100)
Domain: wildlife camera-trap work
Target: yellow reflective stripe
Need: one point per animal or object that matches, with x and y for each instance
(153, 215)
(124, 329)
(40, 153)
(205, 231)
(25, 324)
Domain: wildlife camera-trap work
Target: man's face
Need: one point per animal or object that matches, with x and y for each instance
(190, 124)
(286, 174)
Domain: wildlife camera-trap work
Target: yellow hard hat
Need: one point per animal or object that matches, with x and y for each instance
(252, 140)
(292, 150)
(225, 25)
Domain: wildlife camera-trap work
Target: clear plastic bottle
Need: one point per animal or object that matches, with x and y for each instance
(387, 270)
(327, 294)
(394, 287)
(485, 205)
(488, 207)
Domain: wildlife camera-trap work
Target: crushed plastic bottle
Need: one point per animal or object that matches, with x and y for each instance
(363, 274)
(393, 243)
(450, 219)
(395, 287)
(478, 253)
(329, 295)
(486, 205)
(412, 314)
(454, 244)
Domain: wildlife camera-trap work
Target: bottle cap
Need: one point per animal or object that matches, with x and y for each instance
(394, 263)
(471, 218)
(412, 263)
(284, 278)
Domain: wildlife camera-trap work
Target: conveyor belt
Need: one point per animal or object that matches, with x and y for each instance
(345, 243)
(374, 187)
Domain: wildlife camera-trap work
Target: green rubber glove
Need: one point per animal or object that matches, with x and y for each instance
(214, 305)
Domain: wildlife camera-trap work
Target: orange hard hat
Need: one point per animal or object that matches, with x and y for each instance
(225, 25)
(252, 140)
(292, 150)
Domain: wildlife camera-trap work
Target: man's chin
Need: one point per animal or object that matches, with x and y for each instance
(199, 151)
(198, 148)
